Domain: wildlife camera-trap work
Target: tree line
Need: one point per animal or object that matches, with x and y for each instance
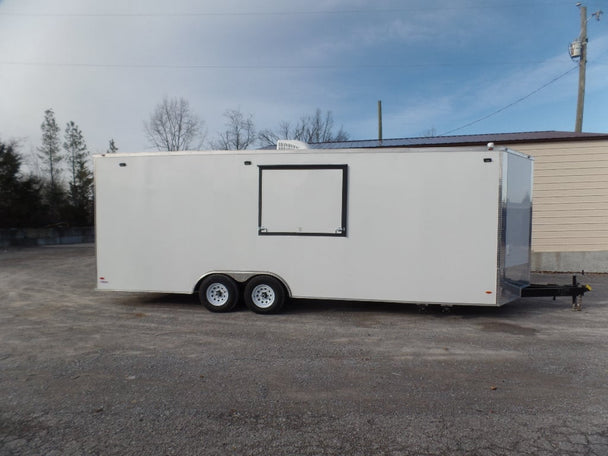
(59, 191)
(173, 126)
(47, 198)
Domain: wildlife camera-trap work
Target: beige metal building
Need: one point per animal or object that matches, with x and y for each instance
(570, 197)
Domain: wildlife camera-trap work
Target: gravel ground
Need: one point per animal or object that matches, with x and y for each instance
(85, 372)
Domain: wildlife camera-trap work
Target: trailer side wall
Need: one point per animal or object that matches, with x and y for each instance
(421, 225)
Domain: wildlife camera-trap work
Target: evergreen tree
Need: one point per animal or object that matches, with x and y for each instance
(81, 184)
(10, 163)
(76, 151)
(20, 201)
(50, 148)
(82, 195)
(49, 153)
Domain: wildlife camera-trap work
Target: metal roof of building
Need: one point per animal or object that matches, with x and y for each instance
(465, 140)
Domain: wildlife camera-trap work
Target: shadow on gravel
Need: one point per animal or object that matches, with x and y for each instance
(517, 308)
(159, 300)
(520, 308)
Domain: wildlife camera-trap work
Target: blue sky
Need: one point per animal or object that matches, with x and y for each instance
(436, 65)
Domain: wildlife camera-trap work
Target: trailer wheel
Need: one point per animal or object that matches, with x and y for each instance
(218, 293)
(264, 294)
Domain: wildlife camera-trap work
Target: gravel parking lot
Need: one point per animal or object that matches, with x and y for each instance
(86, 372)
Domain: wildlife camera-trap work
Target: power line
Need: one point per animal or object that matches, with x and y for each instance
(257, 66)
(511, 104)
(520, 99)
(283, 13)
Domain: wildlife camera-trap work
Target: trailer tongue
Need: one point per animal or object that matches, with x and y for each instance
(576, 291)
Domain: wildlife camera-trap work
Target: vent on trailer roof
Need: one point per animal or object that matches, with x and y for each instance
(288, 144)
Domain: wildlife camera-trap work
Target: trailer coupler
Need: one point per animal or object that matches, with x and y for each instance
(575, 291)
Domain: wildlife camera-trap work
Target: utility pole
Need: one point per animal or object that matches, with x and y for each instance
(380, 120)
(578, 49)
(582, 68)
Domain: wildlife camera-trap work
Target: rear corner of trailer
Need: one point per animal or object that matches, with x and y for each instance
(515, 226)
(110, 194)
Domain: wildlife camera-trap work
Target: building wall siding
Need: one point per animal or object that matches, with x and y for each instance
(570, 196)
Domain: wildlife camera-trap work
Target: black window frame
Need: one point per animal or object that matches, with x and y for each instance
(342, 232)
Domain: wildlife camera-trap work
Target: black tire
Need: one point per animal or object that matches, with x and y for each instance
(218, 293)
(264, 294)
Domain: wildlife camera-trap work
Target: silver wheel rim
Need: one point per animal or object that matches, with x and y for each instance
(217, 294)
(263, 296)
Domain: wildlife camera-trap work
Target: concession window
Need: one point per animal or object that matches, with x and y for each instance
(302, 200)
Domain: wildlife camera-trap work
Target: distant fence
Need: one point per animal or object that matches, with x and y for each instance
(24, 237)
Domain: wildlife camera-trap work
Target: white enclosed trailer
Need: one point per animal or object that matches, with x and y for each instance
(435, 226)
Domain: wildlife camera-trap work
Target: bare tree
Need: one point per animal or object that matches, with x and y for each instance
(311, 128)
(270, 137)
(173, 126)
(239, 134)
(112, 149)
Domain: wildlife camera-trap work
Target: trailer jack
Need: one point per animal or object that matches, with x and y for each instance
(575, 291)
